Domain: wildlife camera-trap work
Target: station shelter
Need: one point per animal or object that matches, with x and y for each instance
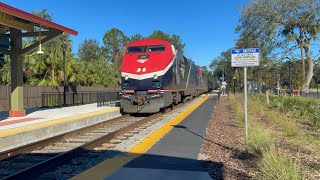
(15, 25)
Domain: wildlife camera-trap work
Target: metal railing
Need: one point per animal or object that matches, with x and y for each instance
(106, 98)
(310, 94)
(33, 95)
(51, 99)
(101, 98)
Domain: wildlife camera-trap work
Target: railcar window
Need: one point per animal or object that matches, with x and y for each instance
(157, 48)
(136, 49)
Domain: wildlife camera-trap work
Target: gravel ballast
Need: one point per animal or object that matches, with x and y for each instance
(119, 148)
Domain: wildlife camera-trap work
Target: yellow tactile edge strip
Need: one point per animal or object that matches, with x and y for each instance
(109, 166)
(18, 130)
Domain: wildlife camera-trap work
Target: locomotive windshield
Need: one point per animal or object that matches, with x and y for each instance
(135, 49)
(158, 48)
(138, 49)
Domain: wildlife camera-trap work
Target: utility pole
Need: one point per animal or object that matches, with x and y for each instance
(278, 84)
(228, 89)
(234, 85)
(63, 47)
(289, 75)
(303, 65)
(223, 71)
(317, 84)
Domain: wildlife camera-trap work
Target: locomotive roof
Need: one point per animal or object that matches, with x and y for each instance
(145, 42)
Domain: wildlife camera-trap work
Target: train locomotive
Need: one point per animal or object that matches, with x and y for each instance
(155, 75)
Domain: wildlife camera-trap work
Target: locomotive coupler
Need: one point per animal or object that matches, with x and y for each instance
(140, 100)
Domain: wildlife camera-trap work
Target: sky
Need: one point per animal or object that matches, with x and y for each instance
(207, 27)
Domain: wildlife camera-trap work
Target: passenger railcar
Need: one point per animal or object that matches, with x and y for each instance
(155, 75)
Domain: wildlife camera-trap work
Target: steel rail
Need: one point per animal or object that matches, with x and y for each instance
(39, 144)
(37, 170)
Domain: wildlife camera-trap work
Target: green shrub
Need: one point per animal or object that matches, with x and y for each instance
(288, 126)
(238, 110)
(276, 166)
(298, 107)
(315, 115)
(260, 139)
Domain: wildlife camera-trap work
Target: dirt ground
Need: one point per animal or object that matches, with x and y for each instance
(223, 151)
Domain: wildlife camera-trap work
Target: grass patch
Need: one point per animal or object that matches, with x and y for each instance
(276, 166)
(288, 126)
(260, 139)
(238, 110)
(297, 107)
(273, 165)
(296, 117)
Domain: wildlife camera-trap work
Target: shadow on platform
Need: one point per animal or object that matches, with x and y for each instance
(146, 162)
(237, 153)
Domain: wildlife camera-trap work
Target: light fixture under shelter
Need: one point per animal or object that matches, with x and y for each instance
(40, 50)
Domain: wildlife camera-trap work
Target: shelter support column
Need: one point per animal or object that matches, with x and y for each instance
(17, 106)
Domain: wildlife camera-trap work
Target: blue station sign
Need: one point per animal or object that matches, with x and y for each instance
(245, 57)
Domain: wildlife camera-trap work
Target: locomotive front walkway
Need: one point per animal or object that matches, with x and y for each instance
(174, 156)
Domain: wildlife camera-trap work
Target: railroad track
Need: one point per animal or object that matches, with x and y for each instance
(44, 159)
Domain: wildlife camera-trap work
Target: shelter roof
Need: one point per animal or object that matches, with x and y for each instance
(18, 19)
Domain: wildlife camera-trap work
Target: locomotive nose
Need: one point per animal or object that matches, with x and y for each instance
(144, 84)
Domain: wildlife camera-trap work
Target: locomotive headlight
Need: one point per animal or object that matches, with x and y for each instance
(126, 77)
(138, 69)
(144, 69)
(155, 76)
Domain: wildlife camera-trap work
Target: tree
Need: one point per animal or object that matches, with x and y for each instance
(89, 50)
(114, 42)
(5, 70)
(2, 60)
(47, 69)
(88, 66)
(157, 34)
(93, 68)
(220, 66)
(175, 40)
(43, 14)
(281, 24)
(136, 37)
(317, 74)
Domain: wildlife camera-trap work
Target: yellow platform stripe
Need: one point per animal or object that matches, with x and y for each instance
(147, 143)
(109, 166)
(18, 130)
(104, 168)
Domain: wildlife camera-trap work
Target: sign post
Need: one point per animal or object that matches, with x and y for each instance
(245, 58)
(278, 84)
(245, 105)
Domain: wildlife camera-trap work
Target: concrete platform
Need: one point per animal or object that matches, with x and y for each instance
(39, 125)
(173, 156)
